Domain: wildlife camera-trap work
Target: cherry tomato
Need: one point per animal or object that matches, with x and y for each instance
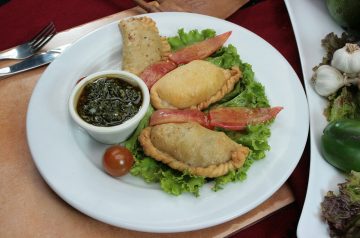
(117, 160)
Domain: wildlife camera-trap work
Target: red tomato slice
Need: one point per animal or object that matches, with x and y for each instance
(237, 118)
(199, 50)
(154, 72)
(178, 116)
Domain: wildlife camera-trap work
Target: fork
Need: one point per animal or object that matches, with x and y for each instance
(31, 47)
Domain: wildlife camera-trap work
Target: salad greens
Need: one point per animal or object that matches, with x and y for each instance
(342, 211)
(185, 39)
(226, 57)
(246, 93)
(345, 103)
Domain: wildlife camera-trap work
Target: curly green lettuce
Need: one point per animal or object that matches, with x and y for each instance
(344, 104)
(188, 38)
(226, 57)
(246, 93)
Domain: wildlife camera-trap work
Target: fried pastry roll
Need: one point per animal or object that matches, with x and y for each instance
(142, 44)
(191, 147)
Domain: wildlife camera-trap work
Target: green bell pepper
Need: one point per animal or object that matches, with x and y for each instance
(341, 144)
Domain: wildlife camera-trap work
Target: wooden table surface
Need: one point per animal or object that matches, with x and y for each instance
(29, 208)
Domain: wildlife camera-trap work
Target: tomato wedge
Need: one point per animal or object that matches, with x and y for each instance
(154, 72)
(237, 118)
(199, 50)
(178, 116)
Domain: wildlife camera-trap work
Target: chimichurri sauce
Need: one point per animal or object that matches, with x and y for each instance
(108, 102)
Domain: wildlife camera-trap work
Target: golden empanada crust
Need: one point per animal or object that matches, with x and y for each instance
(193, 148)
(194, 85)
(142, 44)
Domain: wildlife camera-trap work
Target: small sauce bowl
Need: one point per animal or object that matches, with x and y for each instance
(110, 134)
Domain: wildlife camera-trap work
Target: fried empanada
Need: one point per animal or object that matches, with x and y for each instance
(194, 85)
(142, 44)
(191, 147)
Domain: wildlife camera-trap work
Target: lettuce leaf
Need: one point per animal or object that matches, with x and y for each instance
(148, 168)
(342, 211)
(344, 104)
(184, 39)
(176, 183)
(226, 57)
(171, 181)
(255, 137)
(246, 93)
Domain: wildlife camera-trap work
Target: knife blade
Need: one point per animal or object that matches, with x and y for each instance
(33, 62)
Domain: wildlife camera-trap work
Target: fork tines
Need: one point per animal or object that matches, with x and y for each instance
(43, 37)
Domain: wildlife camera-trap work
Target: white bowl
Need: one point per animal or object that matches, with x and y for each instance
(112, 134)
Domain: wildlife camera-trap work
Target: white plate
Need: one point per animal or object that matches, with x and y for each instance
(311, 23)
(70, 161)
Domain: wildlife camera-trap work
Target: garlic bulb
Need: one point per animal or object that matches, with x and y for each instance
(347, 59)
(327, 80)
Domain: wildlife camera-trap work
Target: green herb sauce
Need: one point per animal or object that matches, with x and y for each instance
(109, 102)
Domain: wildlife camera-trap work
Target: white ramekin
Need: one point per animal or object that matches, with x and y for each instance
(113, 134)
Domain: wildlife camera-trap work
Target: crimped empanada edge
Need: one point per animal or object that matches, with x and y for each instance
(166, 48)
(237, 160)
(228, 86)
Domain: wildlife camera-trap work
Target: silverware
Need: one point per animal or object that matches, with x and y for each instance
(31, 47)
(32, 62)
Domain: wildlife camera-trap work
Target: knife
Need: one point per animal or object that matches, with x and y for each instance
(33, 62)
